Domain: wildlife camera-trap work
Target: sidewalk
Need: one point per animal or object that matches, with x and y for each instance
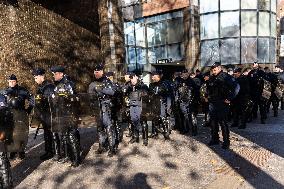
(255, 160)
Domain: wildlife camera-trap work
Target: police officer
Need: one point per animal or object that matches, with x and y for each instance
(6, 129)
(222, 89)
(70, 139)
(256, 77)
(159, 88)
(105, 90)
(241, 105)
(186, 95)
(135, 91)
(44, 90)
(204, 98)
(16, 97)
(273, 79)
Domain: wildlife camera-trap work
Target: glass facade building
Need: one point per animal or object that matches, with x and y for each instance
(154, 39)
(237, 31)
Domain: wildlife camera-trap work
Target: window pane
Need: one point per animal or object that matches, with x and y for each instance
(140, 35)
(249, 4)
(273, 5)
(273, 25)
(209, 52)
(175, 30)
(249, 50)
(248, 23)
(208, 6)
(264, 4)
(129, 33)
(263, 50)
(176, 51)
(230, 51)
(131, 55)
(156, 33)
(229, 24)
(156, 53)
(272, 52)
(263, 28)
(229, 5)
(209, 26)
(141, 55)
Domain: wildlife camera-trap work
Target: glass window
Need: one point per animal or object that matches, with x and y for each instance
(175, 30)
(176, 51)
(208, 6)
(264, 4)
(141, 55)
(229, 24)
(273, 5)
(131, 55)
(263, 50)
(273, 25)
(230, 51)
(272, 51)
(229, 5)
(249, 50)
(263, 28)
(209, 52)
(140, 34)
(248, 25)
(129, 33)
(156, 53)
(249, 4)
(209, 26)
(156, 33)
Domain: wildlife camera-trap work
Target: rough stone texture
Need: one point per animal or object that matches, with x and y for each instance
(44, 33)
(255, 160)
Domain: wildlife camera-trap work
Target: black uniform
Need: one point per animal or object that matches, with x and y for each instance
(161, 90)
(105, 90)
(6, 128)
(242, 104)
(256, 77)
(135, 94)
(273, 99)
(221, 87)
(16, 97)
(187, 97)
(42, 112)
(70, 139)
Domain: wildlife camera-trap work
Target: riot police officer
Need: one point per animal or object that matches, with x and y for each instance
(186, 96)
(44, 90)
(256, 77)
(6, 129)
(159, 88)
(70, 137)
(242, 104)
(16, 97)
(273, 79)
(222, 89)
(135, 91)
(105, 90)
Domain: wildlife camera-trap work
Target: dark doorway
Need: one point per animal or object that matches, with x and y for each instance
(169, 70)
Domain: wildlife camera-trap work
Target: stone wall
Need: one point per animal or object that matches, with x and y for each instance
(42, 33)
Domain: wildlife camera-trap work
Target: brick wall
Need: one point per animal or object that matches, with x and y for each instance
(43, 33)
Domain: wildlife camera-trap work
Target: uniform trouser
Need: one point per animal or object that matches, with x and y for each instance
(241, 110)
(135, 117)
(56, 144)
(106, 130)
(260, 104)
(5, 171)
(275, 103)
(218, 116)
(177, 115)
(70, 141)
(189, 118)
(47, 139)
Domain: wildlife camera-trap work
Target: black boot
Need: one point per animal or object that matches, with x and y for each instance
(145, 133)
(64, 142)
(226, 134)
(56, 147)
(22, 155)
(166, 127)
(111, 152)
(101, 149)
(5, 171)
(194, 124)
(75, 148)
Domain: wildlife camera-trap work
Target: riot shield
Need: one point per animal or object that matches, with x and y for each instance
(20, 131)
(151, 107)
(266, 92)
(89, 109)
(64, 112)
